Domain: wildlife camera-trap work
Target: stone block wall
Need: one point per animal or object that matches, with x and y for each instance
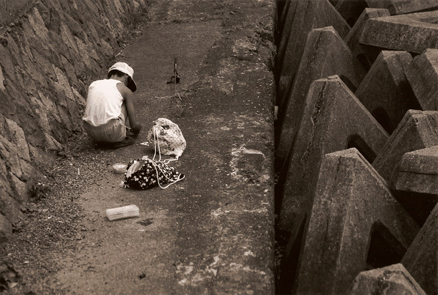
(11, 9)
(50, 50)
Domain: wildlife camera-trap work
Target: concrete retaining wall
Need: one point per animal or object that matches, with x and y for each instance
(49, 51)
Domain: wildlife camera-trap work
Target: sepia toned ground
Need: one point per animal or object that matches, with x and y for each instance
(211, 233)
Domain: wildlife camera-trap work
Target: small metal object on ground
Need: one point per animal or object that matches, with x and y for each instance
(175, 78)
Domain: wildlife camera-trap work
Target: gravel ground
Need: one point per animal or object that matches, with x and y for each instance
(52, 218)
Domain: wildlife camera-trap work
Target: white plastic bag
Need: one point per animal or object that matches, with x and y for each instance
(167, 138)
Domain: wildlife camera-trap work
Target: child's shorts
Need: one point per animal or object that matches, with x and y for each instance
(113, 131)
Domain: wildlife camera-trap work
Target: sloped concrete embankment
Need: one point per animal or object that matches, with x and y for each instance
(356, 139)
(49, 52)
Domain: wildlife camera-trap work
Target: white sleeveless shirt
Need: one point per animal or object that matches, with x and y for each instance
(104, 102)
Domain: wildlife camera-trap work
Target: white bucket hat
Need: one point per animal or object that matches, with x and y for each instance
(124, 68)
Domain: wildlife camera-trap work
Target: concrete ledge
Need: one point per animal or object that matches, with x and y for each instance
(403, 6)
(412, 32)
(226, 238)
(418, 171)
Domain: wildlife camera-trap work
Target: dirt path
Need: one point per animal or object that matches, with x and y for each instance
(174, 247)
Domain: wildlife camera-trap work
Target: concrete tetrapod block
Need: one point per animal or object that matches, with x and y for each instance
(282, 14)
(390, 280)
(281, 5)
(418, 171)
(288, 17)
(422, 74)
(403, 6)
(325, 54)
(411, 32)
(353, 208)
(361, 52)
(351, 10)
(385, 90)
(310, 14)
(417, 130)
(422, 256)
(334, 119)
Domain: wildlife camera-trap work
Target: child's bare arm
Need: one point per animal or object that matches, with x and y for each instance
(130, 107)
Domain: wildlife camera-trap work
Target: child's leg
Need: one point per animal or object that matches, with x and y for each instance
(113, 131)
